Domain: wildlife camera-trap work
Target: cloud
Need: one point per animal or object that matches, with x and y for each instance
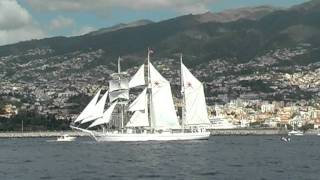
(20, 34)
(12, 15)
(16, 24)
(196, 8)
(61, 22)
(83, 30)
(181, 6)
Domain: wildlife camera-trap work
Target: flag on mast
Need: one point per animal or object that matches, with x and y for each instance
(150, 51)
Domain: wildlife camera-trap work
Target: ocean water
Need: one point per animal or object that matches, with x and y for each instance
(224, 157)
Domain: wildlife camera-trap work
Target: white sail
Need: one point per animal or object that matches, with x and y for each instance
(100, 105)
(120, 94)
(124, 83)
(139, 119)
(98, 110)
(105, 118)
(119, 89)
(115, 85)
(195, 103)
(140, 102)
(89, 109)
(140, 116)
(163, 114)
(138, 79)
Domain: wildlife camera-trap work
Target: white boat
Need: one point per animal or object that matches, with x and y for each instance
(295, 133)
(285, 139)
(153, 116)
(66, 137)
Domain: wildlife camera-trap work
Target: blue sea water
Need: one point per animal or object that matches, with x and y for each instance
(221, 157)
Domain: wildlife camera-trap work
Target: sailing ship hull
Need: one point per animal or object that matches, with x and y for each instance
(101, 137)
(127, 137)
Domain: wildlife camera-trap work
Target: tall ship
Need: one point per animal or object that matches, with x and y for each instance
(152, 115)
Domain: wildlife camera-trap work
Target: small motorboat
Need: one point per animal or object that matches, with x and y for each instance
(295, 133)
(285, 139)
(66, 137)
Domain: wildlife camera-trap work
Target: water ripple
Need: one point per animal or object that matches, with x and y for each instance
(249, 157)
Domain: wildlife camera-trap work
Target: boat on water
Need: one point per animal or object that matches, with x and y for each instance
(285, 139)
(295, 133)
(66, 138)
(152, 114)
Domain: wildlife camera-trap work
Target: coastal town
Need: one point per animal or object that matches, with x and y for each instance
(256, 93)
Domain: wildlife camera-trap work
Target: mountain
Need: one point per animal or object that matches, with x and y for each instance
(240, 35)
(121, 26)
(310, 6)
(135, 37)
(250, 13)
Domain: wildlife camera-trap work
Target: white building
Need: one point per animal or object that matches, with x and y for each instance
(268, 108)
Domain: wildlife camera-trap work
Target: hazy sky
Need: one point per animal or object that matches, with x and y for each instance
(33, 19)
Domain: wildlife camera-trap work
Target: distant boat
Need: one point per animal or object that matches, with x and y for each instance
(153, 116)
(66, 137)
(295, 133)
(285, 139)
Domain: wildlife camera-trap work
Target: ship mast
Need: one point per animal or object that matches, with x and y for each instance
(148, 82)
(183, 97)
(122, 104)
(119, 65)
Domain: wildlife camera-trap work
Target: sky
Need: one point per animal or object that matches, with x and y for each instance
(22, 20)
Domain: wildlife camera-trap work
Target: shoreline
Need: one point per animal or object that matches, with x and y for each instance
(40, 134)
(246, 132)
(214, 132)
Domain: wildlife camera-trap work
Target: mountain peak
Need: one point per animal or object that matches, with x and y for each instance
(313, 5)
(137, 23)
(252, 13)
